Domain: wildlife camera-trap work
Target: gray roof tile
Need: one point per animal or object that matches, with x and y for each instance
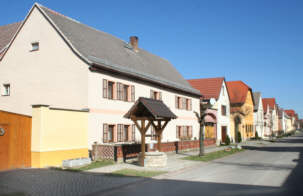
(106, 50)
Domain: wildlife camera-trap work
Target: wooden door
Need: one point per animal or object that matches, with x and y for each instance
(223, 134)
(4, 146)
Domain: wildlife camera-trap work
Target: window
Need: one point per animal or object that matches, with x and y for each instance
(178, 103)
(35, 46)
(125, 133)
(155, 95)
(188, 104)
(184, 132)
(125, 92)
(108, 133)
(6, 90)
(183, 103)
(223, 110)
(110, 90)
(111, 133)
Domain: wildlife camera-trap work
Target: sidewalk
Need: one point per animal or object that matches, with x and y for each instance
(174, 162)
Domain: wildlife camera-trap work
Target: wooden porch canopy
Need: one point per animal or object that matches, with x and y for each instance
(156, 113)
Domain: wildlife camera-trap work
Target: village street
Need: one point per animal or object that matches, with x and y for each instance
(272, 169)
(275, 169)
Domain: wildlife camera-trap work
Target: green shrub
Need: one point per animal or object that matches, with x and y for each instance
(227, 140)
(239, 137)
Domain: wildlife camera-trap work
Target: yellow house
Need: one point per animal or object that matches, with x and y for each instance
(241, 110)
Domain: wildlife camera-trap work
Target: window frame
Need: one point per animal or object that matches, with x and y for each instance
(110, 90)
(125, 136)
(112, 133)
(6, 89)
(35, 46)
(223, 110)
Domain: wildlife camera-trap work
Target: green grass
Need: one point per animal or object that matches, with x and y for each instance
(96, 164)
(213, 155)
(93, 165)
(137, 173)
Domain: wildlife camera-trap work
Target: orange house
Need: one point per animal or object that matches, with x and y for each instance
(241, 110)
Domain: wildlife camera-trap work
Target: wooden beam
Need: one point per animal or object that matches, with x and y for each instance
(137, 125)
(142, 149)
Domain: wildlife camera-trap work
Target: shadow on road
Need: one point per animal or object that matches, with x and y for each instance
(53, 182)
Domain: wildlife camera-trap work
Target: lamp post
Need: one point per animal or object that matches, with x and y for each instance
(204, 105)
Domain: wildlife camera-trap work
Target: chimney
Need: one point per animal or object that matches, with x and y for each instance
(133, 40)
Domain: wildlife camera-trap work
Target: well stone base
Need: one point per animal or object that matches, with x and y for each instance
(154, 159)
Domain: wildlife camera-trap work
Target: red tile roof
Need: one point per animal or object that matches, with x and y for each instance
(237, 91)
(208, 87)
(271, 102)
(290, 112)
(6, 34)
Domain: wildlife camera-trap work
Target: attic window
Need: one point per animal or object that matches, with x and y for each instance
(35, 46)
(6, 89)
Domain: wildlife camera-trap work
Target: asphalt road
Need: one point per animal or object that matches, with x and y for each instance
(275, 169)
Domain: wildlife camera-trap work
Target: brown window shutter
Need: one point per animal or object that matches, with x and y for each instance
(190, 104)
(160, 96)
(118, 91)
(176, 102)
(105, 88)
(119, 134)
(151, 94)
(133, 93)
(133, 133)
(105, 133)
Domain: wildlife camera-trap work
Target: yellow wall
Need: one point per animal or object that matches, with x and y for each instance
(58, 135)
(248, 119)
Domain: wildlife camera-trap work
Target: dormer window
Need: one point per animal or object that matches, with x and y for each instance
(6, 89)
(35, 46)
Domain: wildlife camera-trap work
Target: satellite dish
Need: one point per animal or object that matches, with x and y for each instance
(212, 101)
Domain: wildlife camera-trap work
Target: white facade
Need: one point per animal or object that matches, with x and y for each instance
(108, 111)
(222, 120)
(259, 119)
(55, 76)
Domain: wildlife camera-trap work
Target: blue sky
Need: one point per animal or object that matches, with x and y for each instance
(257, 41)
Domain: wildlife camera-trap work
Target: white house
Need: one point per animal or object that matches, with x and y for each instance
(271, 117)
(58, 61)
(258, 114)
(216, 88)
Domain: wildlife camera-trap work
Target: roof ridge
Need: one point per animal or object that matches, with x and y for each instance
(205, 78)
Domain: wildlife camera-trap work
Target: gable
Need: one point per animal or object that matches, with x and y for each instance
(51, 75)
(208, 87)
(249, 99)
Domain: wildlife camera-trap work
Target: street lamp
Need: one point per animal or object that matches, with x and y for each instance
(204, 105)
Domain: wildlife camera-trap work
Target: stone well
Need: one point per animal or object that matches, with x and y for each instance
(154, 159)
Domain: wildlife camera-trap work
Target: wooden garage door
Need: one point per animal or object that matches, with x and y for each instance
(15, 142)
(4, 144)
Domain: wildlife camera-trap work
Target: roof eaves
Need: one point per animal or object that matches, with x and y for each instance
(144, 76)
